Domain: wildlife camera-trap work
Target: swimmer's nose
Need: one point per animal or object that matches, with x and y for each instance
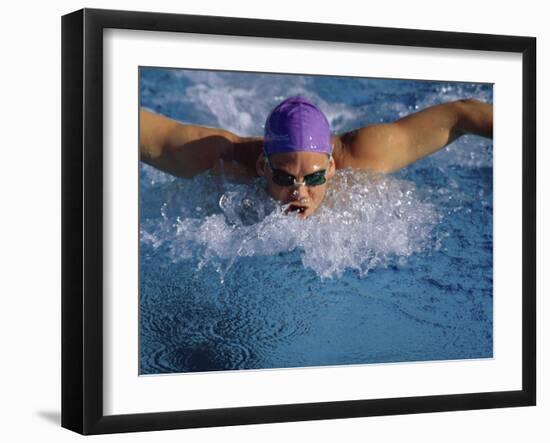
(299, 191)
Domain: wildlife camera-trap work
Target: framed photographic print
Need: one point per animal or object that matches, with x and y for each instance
(269, 221)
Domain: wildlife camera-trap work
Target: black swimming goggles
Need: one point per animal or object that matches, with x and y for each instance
(283, 178)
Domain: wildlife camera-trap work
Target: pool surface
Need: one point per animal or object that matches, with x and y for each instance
(391, 268)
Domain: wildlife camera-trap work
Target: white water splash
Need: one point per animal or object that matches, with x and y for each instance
(366, 221)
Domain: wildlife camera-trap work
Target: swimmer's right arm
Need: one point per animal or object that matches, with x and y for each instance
(180, 149)
(187, 150)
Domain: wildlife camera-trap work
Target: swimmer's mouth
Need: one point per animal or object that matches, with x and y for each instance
(300, 209)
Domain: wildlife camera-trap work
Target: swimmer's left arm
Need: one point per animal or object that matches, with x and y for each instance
(392, 146)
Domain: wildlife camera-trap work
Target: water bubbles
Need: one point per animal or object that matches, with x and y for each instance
(366, 221)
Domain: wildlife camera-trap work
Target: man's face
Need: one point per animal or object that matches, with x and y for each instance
(302, 198)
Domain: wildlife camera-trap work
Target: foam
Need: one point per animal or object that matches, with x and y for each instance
(366, 221)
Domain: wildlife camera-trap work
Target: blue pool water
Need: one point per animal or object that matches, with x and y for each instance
(392, 268)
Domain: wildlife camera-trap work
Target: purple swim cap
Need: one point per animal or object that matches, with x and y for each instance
(296, 124)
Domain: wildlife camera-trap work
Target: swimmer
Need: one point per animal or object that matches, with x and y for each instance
(298, 155)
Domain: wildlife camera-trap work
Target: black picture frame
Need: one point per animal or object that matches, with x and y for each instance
(82, 218)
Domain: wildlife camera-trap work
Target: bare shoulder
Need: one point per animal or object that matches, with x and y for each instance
(369, 147)
(186, 150)
(388, 147)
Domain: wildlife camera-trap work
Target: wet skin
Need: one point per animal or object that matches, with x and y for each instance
(299, 197)
(187, 150)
